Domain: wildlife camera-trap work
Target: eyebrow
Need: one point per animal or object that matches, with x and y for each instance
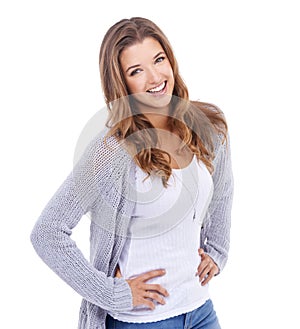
(137, 65)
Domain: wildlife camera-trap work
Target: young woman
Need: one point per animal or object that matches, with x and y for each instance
(158, 187)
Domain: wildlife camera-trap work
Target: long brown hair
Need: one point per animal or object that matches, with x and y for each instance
(196, 123)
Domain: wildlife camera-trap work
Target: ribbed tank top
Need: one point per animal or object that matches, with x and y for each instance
(165, 234)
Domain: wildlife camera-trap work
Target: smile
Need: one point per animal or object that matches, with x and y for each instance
(159, 88)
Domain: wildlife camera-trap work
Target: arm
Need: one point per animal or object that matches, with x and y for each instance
(215, 234)
(51, 234)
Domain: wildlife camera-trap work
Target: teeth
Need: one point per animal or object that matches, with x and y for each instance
(158, 88)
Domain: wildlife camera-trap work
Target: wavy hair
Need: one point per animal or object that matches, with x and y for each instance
(196, 123)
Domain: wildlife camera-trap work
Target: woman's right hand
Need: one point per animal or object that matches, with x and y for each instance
(144, 293)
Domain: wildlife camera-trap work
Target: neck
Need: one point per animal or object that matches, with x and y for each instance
(159, 121)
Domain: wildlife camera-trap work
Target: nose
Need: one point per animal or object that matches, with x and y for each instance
(153, 75)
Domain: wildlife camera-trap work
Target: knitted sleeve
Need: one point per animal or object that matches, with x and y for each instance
(215, 234)
(51, 234)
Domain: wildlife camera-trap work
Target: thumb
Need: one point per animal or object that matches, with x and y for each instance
(200, 251)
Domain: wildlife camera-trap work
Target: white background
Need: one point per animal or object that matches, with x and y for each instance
(241, 55)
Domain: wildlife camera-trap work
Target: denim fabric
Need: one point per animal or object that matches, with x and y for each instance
(203, 317)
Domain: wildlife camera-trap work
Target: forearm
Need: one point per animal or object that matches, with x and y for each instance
(215, 234)
(51, 240)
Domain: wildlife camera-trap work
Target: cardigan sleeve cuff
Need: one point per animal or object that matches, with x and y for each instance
(122, 298)
(220, 260)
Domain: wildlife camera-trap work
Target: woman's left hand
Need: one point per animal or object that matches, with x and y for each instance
(207, 268)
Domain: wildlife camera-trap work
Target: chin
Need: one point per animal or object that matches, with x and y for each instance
(147, 102)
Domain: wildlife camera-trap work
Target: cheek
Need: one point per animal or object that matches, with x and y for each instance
(130, 86)
(133, 85)
(169, 72)
(171, 81)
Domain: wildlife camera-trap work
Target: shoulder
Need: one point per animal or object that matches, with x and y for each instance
(103, 169)
(212, 112)
(105, 147)
(214, 120)
(102, 156)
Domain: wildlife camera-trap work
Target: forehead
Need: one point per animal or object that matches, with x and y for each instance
(140, 51)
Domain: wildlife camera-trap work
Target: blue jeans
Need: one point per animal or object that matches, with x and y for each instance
(203, 317)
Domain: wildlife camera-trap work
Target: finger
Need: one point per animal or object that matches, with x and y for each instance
(202, 266)
(210, 268)
(207, 279)
(152, 274)
(154, 296)
(156, 287)
(206, 271)
(147, 302)
(214, 270)
(200, 251)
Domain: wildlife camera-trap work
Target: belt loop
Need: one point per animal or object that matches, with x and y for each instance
(187, 318)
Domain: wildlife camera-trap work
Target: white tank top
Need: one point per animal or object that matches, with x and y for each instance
(165, 234)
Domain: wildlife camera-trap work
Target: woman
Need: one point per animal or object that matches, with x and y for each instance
(158, 187)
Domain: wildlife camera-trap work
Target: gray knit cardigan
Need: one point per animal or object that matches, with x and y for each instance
(101, 184)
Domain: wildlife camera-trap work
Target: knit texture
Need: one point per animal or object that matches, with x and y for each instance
(101, 184)
(215, 233)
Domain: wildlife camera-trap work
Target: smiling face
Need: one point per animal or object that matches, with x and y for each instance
(148, 74)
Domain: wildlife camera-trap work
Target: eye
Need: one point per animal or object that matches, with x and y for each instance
(134, 72)
(160, 59)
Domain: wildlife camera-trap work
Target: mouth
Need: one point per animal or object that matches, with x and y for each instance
(160, 89)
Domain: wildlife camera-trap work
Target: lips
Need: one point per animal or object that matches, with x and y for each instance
(158, 89)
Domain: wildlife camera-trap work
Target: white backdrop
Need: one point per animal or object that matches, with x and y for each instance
(241, 55)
